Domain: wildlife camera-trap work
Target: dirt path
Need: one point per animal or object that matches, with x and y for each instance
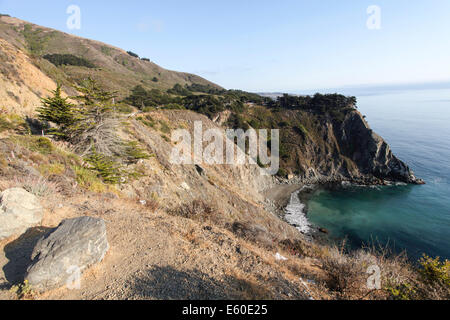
(158, 256)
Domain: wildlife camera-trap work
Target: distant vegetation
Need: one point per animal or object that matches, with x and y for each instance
(145, 59)
(210, 101)
(69, 60)
(133, 54)
(36, 40)
(188, 97)
(252, 110)
(141, 98)
(196, 87)
(178, 89)
(334, 105)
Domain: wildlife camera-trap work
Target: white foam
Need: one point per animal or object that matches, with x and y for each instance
(295, 214)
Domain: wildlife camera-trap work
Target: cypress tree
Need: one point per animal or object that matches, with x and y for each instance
(59, 111)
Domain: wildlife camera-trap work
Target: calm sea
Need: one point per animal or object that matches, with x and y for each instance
(416, 124)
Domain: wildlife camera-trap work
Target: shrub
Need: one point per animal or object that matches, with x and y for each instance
(35, 39)
(164, 127)
(197, 210)
(69, 60)
(133, 152)
(195, 87)
(433, 270)
(89, 180)
(38, 144)
(23, 290)
(178, 89)
(346, 273)
(404, 291)
(38, 186)
(294, 247)
(105, 168)
(42, 145)
(147, 120)
(13, 122)
(133, 54)
(52, 169)
(124, 108)
(141, 98)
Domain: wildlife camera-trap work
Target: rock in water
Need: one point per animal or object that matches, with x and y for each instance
(19, 210)
(60, 257)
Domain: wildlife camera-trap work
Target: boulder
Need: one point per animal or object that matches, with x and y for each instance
(61, 256)
(19, 210)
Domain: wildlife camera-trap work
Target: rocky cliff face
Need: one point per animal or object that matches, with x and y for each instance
(347, 150)
(371, 154)
(322, 147)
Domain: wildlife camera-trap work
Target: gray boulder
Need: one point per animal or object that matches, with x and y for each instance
(60, 257)
(19, 210)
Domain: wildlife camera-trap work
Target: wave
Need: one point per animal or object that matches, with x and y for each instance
(295, 214)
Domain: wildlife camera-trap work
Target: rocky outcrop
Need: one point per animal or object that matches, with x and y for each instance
(60, 257)
(347, 149)
(371, 154)
(19, 210)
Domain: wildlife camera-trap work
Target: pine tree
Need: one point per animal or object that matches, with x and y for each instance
(59, 111)
(96, 125)
(107, 169)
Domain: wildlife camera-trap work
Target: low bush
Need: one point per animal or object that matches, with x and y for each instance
(134, 153)
(433, 270)
(105, 168)
(13, 123)
(23, 291)
(196, 210)
(89, 180)
(39, 186)
(38, 144)
(69, 60)
(345, 272)
(131, 53)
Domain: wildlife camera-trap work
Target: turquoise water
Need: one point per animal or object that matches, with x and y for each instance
(413, 218)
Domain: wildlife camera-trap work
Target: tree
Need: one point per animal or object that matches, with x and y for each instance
(59, 111)
(131, 53)
(96, 123)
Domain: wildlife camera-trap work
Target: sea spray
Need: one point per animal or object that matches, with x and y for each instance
(295, 213)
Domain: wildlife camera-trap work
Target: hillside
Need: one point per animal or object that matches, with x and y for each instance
(114, 68)
(191, 231)
(324, 139)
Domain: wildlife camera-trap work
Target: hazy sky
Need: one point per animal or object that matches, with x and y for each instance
(268, 45)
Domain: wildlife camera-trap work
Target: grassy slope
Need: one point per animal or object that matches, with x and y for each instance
(116, 70)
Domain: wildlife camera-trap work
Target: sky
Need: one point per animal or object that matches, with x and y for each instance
(269, 46)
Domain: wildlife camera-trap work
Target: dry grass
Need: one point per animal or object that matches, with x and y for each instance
(346, 273)
(196, 210)
(38, 186)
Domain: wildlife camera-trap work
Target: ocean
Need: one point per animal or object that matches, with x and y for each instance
(415, 219)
